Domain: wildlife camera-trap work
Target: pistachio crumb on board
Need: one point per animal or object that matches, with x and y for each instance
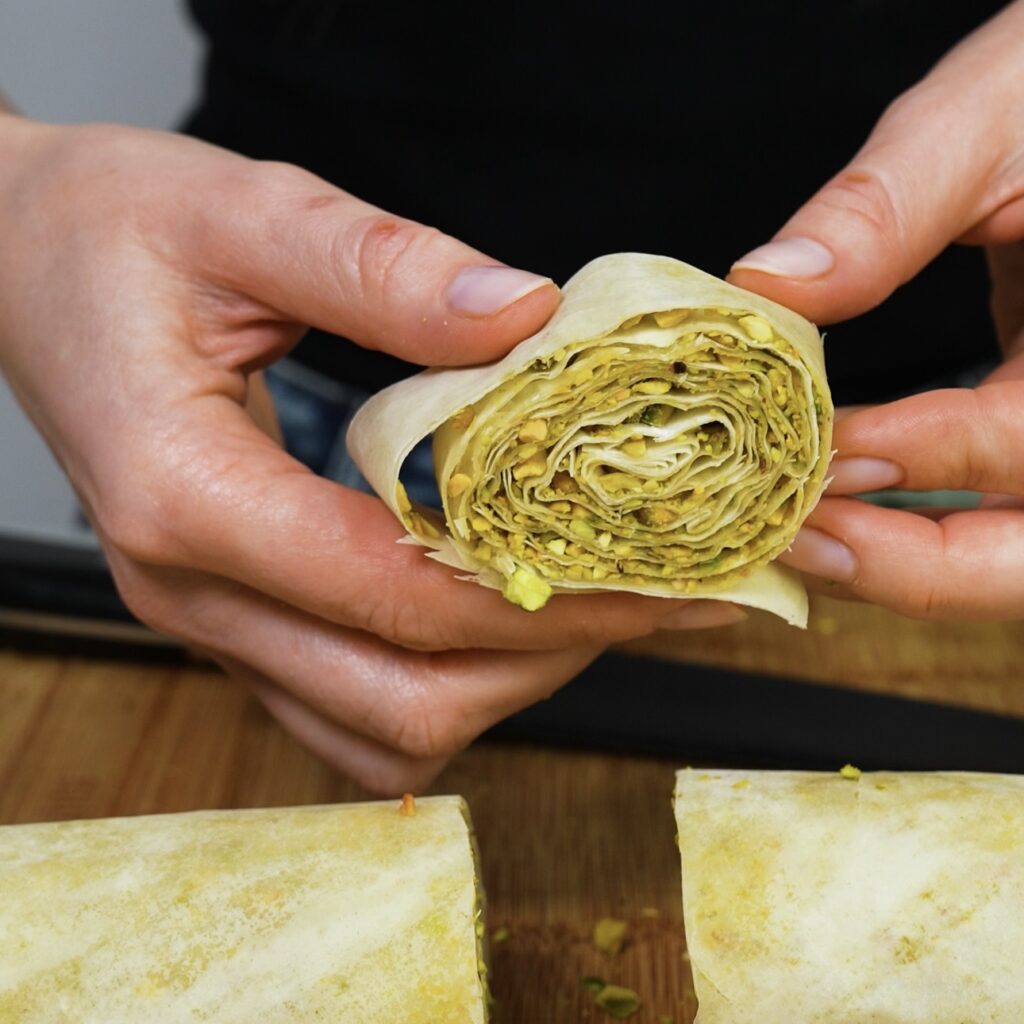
(618, 1002)
(610, 935)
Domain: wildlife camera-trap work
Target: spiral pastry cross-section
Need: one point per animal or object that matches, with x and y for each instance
(673, 447)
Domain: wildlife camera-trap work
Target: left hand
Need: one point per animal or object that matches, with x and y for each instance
(944, 164)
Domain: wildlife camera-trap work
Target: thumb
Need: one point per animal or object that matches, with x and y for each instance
(945, 158)
(323, 258)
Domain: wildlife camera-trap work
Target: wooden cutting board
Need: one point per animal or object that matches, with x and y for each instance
(566, 838)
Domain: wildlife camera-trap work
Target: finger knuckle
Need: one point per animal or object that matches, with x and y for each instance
(271, 180)
(931, 593)
(972, 466)
(136, 525)
(426, 727)
(380, 251)
(927, 600)
(143, 599)
(865, 202)
(406, 623)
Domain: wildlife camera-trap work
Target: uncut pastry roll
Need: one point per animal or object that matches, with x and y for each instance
(883, 898)
(665, 433)
(354, 913)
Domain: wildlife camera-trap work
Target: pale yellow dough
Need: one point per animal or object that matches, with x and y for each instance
(351, 914)
(885, 899)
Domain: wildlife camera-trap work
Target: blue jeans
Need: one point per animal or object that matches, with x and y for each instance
(314, 412)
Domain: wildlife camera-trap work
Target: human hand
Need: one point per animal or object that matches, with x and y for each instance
(144, 279)
(945, 163)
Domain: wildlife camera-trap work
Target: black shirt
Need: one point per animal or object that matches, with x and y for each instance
(556, 133)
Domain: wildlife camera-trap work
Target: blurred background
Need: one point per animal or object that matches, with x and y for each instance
(72, 61)
(84, 60)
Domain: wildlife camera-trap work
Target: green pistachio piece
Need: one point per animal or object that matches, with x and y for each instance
(618, 1002)
(526, 589)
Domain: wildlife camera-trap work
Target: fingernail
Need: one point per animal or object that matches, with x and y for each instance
(481, 291)
(703, 615)
(819, 554)
(789, 257)
(857, 474)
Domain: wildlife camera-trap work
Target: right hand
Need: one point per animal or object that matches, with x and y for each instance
(145, 278)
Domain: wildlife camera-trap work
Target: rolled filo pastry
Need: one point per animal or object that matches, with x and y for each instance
(359, 914)
(665, 433)
(853, 898)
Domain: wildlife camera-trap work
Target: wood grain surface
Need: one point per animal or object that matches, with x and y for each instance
(566, 838)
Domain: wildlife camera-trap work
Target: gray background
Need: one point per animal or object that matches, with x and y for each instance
(133, 61)
(88, 60)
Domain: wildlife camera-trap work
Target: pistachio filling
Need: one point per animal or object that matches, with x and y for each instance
(680, 452)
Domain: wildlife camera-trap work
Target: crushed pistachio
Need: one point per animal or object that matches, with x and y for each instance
(526, 589)
(849, 771)
(500, 935)
(618, 1002)
(561, 507)
(758, 329)
(532, 467)
(563, 483)
(670, 317)
(613, 482)
(533, 430)
(656, 515)
(579, 552)
(592, 983)
(402, 499)
(462, 418)
(459, 484)
(556, 547)
(656, 415)
(422, 525)
(582, 529)
(634, 449)
(610, 935)
(652, 387)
